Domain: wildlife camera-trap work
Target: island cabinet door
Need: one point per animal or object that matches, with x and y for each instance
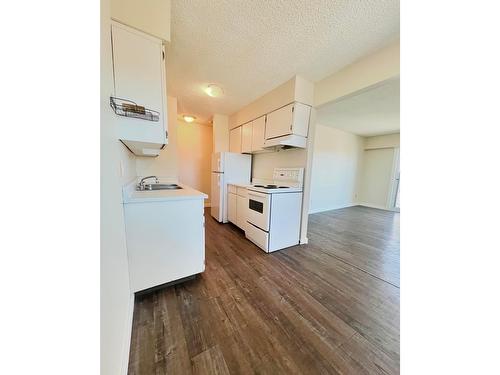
(165, 241)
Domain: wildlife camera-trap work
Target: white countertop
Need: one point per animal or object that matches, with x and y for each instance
(291, 189)
(130, 195)
(276, 191)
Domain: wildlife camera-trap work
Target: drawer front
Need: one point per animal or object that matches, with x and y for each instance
(257, 236)
(242, 192)
(232, 189)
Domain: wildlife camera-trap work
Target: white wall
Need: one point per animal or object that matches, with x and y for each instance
(264, 164)
(366, 72)
(166, 164)
(128, 165)
(377, 176)
(194, 155)
(151, 16)
(336, 166)
(382, 141)
(116, 299)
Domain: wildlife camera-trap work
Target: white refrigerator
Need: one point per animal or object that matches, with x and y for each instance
(227, 167)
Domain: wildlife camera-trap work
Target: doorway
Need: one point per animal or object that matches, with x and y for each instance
(396, 183)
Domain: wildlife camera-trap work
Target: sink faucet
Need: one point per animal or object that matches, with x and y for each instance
(141, 183)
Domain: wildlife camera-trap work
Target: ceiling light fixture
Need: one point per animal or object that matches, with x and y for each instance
(214, 91)
(188, 118)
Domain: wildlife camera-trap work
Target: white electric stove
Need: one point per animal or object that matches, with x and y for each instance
(275, 209)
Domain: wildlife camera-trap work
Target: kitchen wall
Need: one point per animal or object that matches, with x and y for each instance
(194, 155)
(165, 165)
(116, 301)
(336, 169)
(152, 16)
(264, 164)
(128, 165)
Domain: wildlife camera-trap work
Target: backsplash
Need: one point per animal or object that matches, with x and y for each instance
(263, 164)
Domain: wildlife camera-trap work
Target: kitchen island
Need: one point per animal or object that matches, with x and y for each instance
(165, 232)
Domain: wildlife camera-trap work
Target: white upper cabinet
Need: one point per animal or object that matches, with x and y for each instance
(235, 140)
(139, 77)
(246, 138)
(258, 134)
(290, 119)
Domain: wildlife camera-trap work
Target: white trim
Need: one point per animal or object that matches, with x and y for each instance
(128, 338)
(323, 209)
(393, 188)
(304, 241)
(377, 207)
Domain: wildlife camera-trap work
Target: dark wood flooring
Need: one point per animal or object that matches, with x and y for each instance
(328, 307)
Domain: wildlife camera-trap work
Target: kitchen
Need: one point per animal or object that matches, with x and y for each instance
(247, 180)
(270, 214)
(231, 202)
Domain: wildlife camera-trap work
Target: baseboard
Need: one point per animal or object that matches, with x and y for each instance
(377, 207)
(128, 341)
(208, 204)
(318, 210)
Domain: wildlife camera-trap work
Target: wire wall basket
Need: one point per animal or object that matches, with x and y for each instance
(128, 108)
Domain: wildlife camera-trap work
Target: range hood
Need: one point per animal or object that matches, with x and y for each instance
(286, 141)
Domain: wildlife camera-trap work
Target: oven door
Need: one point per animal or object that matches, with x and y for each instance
(258, 209)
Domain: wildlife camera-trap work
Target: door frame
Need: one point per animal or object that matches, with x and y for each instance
(395, 181)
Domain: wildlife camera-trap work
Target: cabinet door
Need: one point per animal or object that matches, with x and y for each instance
(241, 211)
(279, 122)
(246, 138)
(235, 140)
(139, 76)
(301, 114)
(258, 133)
(231, 208)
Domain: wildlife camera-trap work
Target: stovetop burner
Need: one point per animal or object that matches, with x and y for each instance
(271, 186)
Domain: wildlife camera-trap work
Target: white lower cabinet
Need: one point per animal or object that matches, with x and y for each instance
(241, 211)
(237, 206)
(165, 241)
(231, 208)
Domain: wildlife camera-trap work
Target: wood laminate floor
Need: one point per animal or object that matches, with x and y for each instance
(328, 307)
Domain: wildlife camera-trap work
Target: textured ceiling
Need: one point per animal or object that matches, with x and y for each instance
(251, 46)
(371, 112)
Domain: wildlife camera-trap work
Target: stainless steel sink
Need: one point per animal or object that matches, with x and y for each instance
(147, 187)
